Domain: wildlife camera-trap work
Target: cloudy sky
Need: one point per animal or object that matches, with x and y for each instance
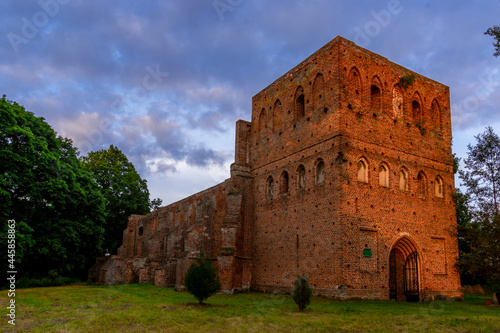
(165, 81)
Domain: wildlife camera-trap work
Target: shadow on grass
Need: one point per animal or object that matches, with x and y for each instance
(204, 305)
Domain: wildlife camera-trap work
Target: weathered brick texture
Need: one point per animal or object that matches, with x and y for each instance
(345, 173)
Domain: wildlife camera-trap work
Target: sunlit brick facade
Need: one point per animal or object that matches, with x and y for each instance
(345, 173)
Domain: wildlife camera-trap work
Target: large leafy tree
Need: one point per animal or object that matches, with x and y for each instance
(124, 190)
(479, 218)
(56, 205)
(495, 33)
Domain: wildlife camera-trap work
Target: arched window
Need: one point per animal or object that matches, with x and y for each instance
(141, 230)
(436, 115)
(375, 95)
(301, 177)
(383, 175)
(422, 185)
(355, 82)
(438, 187)
(375, 98)
(278, 114)
(299, 103)
(318, 97)
(320, 172)
(362, 171)
(270, 185)
(403, 179)
(416, 107)
(262, 122)
(397, 102)
(284, 182)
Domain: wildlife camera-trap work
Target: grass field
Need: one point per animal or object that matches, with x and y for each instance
(146, 308)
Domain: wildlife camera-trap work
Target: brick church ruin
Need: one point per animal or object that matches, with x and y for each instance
(345, 173)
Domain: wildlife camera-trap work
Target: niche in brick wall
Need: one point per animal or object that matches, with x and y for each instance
(397, 102)
(300, 107)
(355, 84)
(318, 93)
(277, 115)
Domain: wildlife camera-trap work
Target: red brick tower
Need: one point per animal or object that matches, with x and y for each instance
(345, 173)
(354, 184)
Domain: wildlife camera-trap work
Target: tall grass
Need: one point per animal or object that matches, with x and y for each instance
(146, 308)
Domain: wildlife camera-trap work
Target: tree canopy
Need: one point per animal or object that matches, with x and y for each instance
(124, 191)
(478, 213)
(495, 32)
(57, 207)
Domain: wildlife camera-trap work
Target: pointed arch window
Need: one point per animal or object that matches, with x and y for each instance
(375, 95)
(375, 98)
(383, 175)
(403, 179)
(299, 103)
(422, 185)
(278, 114)
(284, 182)
(438, 187)
(318, 92)
(262, 122)
(416, 107)
(301, 177)
(270, 187)
(355, 81)
(397, 102)
(320, 172)
(362, 171)
(436, 116)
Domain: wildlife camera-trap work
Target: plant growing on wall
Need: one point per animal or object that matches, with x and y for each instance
(302, 293)
(407, 80)
(421, 128)
(202, 279)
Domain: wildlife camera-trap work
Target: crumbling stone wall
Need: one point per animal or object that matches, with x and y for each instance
(159, 247)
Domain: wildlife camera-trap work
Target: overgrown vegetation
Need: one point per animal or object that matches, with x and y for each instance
(407, 80)
(202, 279)
(146, 308)
(302, 292)
(421, 128)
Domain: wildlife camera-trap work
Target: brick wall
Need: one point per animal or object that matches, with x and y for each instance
(357, 106)
(347, 159)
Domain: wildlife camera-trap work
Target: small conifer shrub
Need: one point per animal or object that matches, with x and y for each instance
(302, 293)
(202, 279)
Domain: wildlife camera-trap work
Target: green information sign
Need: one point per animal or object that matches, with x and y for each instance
(367, 253)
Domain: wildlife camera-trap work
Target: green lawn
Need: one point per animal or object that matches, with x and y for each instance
(143, 308)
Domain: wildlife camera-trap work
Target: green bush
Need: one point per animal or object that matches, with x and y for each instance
(302, 293)
(202, 279)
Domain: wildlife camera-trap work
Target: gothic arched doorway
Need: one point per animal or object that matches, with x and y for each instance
(403, 272)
